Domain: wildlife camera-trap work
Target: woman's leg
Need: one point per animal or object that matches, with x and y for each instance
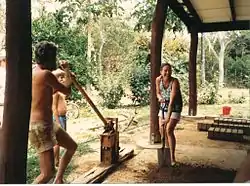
(171, 138)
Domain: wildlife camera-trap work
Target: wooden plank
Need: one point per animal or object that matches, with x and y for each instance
(98, 173)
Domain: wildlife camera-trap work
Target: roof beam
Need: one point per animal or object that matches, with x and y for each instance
(225, 26)
(192, 11)
(181, 13)
(232, 7)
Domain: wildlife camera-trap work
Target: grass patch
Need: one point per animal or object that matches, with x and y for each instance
(33, 169)
(84, 148)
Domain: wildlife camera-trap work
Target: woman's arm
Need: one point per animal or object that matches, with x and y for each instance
(158, 92)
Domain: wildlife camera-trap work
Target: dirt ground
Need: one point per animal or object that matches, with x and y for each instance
(201, 160)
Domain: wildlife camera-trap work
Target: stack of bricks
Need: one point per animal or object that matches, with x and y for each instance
(229, 129)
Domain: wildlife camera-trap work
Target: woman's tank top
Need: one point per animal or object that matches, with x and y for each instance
(166, 93)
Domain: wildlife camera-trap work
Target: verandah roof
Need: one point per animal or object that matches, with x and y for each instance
(213, 15)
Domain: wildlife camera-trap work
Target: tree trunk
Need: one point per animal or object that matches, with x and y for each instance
(221, 62)
(100, 51)
(203, 61)
(155, 62)
(14, 131)
(89, 49)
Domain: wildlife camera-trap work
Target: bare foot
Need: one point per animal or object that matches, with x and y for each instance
(60, 181)
(174, 164)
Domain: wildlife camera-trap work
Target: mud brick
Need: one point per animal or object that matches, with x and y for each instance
(234, 131)
(208, 126)
(244, 121)
(223, 120)
(223, 130)
(222, 133)
(204, 126)
(216, 120)
(210, 133)
(247, 131)
(214, 124)
(217, 130)
(240, 131)
(227, 133)
(199, 126)
(216, 133)
(234, 121)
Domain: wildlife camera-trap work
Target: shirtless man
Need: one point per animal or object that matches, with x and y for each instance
(43, 133)
(59, 107)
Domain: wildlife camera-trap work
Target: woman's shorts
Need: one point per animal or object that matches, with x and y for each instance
(174, 115)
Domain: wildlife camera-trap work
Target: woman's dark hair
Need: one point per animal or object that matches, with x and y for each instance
(165, 64)
(44, 52)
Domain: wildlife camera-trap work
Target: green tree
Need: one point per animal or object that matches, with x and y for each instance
(71, 42)
(144, 11)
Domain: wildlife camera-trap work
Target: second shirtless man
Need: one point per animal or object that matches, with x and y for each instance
(59, 107)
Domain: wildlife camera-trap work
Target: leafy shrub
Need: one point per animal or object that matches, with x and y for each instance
(139, 84)
(208, 94)
(180, 71)
(72, 44)
(111, 90)
(236, 100)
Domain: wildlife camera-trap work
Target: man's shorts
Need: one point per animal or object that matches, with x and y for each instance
(174, 115)
(42, 135)
(63, 121)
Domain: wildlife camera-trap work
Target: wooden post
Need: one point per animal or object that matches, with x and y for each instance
(17, 103)
(192, 111)
(155, 62)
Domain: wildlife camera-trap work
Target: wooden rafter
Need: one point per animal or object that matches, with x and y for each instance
(225, 26)
(192, 11)
(181, 13)
(232, 8)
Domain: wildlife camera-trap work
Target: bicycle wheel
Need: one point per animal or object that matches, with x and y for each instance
(72, 111)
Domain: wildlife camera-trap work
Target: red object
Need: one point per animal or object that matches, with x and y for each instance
(226, 110)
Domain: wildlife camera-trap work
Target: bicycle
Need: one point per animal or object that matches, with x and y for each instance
(73, 110)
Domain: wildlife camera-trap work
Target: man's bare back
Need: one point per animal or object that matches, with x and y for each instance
(41, 107)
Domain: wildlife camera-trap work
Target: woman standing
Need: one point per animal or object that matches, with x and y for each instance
(169, 95)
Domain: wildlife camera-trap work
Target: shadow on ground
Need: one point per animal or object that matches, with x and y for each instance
(186, 173)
